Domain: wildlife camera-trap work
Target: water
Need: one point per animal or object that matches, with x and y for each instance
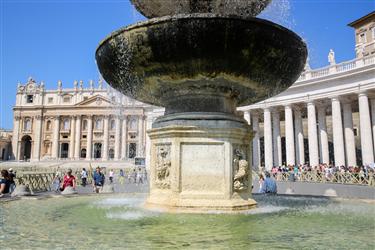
(98, 222)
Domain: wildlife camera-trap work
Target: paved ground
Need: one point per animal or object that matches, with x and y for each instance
(324, 189)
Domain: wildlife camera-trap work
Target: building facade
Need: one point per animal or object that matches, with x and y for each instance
(5, 144)
(80, 123)
(327, 116)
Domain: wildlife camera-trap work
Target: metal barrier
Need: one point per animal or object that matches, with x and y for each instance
(37, 182)
(319, 177)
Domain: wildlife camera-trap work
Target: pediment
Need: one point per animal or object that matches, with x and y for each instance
(95, 101)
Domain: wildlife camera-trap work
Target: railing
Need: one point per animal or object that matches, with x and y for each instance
(37, 182)
(319, 177)
(337, 68)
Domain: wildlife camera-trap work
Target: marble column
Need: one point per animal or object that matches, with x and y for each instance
(15, 139)
(77, 143)
(323, 135)
(277, 156)
(124, 137)
(373, 120)
(298, 133)
(105, 139)
(72, 137)
(365, 129)
(337, 131)
(55, 137)
(89, 138)
(313, 135)
(140, 151)
(117, 138)
(289, 136)
(37, 137)
(351, 159)
(256, 141)
(268, 154)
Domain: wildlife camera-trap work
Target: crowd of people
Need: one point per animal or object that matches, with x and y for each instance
(98, 179)
(329, 171)
(7, 183)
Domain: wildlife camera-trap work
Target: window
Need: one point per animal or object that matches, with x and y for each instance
(113, 99)
(133, 124)
(98, 124)
(27, 125)
(48, 125)
(50, 99)
(111, 153)
(113, 124)
(84, 126)
(112, 137)
(66, 99)
(29, 98)
(65, 137)
(84, 136)
(362, 38)
(85, 98)
(132, 135)
(132, 152)
(83, 153)
(355, 131)
(66, 124)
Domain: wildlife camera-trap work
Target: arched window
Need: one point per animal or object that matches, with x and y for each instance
(84, 125)
(66, 124)
(98, 124)
(113, 124)
(111, 153)
(83, 153)
(27, 124)
(48, 125)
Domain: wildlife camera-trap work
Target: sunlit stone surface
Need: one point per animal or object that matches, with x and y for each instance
(200, 65)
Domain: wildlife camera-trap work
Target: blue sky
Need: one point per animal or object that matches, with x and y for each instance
(53, 40)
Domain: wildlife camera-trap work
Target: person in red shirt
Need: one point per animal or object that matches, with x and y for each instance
(69, 180)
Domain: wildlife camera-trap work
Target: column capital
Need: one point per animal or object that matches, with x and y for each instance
(17, 117)
(336, 99)
(288, 106)
(56, 117)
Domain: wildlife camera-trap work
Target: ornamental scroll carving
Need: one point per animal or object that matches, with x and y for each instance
(163, 166)
(240, 168)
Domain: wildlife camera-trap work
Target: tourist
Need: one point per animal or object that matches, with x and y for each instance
(134, 176)
(68, 181)
(12, 176)
(269, 185)
(261, 182)
(56, 182)
(111, 175)
(4, 182)
(121, 177)
(139, 176)
(99, 179)
(84, 177)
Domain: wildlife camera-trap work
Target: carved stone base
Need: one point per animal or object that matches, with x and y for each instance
(198, 169)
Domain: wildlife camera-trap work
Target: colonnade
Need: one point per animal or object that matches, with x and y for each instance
(343, 136)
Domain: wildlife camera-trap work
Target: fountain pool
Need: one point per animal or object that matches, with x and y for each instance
(119, 221)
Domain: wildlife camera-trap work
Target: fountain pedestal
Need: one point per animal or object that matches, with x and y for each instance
(201, 167)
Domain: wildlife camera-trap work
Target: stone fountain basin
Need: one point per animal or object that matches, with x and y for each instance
(201, 62)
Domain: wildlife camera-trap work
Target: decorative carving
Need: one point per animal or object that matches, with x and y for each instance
(163, 166)
(240, 168)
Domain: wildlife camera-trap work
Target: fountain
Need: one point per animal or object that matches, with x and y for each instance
(200, 60)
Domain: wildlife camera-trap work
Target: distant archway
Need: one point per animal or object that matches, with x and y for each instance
(25, 148)
(97, 150)
(111, 153)
(83, 153)
(64, 150)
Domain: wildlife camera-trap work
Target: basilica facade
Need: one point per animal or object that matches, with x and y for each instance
(80, 123)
